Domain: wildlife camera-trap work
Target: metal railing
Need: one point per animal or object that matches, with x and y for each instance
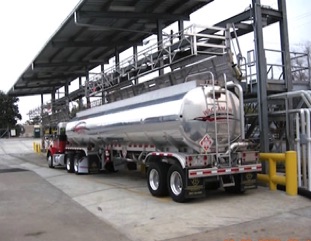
(300, 68)
(173, 48)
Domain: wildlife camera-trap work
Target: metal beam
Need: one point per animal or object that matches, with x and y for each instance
(60, 78)
(132, 15)
(87, 44)
(28, 93)
(33, 88)
(62, 64)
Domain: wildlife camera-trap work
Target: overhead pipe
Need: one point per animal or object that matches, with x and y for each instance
(305, 95)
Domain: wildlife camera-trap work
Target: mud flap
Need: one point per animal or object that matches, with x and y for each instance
(93, 164)
(249, 180)
(195, 188)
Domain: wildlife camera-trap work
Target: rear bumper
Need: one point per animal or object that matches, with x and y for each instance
(208, 172)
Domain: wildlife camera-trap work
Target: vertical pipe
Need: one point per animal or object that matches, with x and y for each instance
(308, 123)
(298, 148)
(303, 151)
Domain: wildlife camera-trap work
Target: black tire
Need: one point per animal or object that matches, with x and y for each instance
(70, 163)
(76, 164)
(157, 179)
(50, 160)
(238, 188)
(176, 181)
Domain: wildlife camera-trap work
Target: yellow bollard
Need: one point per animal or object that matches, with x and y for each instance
(34, 146)
(291, 173)
(38, 148)
(272, 173)
(290, 180)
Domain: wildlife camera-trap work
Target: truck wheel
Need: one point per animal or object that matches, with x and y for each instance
(176, 183)
(157, 183)
(70, 163)
(50, 160)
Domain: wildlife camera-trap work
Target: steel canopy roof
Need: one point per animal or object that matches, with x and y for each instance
(90, 35)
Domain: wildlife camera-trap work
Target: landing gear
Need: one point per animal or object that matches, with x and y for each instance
(238, 188)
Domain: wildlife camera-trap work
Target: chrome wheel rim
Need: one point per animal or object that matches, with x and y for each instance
(154, 179)
(176, 183)
(68, 164)
(76, 163)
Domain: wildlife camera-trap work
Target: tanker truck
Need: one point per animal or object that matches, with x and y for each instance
(188, 137)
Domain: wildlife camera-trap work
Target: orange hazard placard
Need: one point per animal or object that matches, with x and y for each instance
(206, 142)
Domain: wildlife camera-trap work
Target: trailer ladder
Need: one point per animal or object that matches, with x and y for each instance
(221, 126)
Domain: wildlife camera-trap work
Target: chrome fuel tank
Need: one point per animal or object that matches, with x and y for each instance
(182, 117)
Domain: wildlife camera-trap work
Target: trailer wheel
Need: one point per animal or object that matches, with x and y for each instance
(76, 164)
(50, 160)
(176, 183)
(70, 163)
(157, 183)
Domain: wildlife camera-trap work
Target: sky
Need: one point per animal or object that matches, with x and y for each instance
(27, 25)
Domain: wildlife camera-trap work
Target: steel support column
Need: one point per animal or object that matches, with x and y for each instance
(67, 97)
(181, 28)
(135, 53)
(261, 67)
(53, 101)
(80, 104)
(87, 91)
(117, 62)
(160, 41)
(102, 70)
(290, 136)
(42, 105)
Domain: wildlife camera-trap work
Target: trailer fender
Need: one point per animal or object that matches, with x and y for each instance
(166, 157)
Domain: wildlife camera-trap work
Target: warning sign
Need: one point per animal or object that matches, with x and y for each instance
(206, 142)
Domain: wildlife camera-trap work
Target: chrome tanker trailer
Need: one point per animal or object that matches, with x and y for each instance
(189, 137)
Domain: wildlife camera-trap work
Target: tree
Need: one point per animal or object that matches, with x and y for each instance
(300, 62)
(9, 113)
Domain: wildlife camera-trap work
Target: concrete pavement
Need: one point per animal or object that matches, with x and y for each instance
(121, 203)
(33, 209)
